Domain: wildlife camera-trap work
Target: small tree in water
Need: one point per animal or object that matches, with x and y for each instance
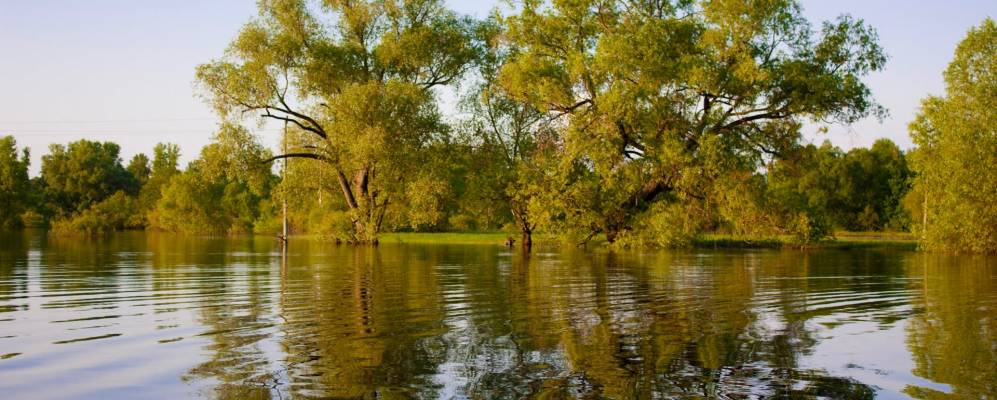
(513, 141)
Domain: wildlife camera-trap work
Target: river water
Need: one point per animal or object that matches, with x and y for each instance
(140, 315)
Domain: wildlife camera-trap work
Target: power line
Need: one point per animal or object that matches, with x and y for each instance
(105, 121)
(106, 132)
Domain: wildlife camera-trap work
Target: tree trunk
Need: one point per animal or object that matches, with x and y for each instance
(924, 217)
(639, 201)
(363, 207)
(527, 239)
(612, 234)
(522, 221)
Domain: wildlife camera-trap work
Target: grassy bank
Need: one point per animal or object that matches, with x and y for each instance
(447, 237)
(841, 240)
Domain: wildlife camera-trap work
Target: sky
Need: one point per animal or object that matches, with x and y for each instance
(123, 70)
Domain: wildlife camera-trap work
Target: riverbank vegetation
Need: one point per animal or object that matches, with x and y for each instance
(645, 124)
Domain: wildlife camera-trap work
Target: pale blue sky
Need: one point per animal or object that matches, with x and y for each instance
(122, 70)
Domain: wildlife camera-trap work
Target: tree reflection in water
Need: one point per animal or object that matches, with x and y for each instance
(466, 321)
(953, 339)
(235, 318)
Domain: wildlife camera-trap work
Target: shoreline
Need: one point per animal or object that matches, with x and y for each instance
(841, 241)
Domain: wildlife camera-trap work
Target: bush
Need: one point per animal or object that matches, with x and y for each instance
(667, 225)
(113, 213)
(33, 219)
(331, 224)
(461, 222)
(189, 204)
(809, 227)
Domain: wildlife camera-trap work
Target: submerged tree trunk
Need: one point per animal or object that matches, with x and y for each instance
(621, 219)
(612, 233)
(365, 212)
(523, 222)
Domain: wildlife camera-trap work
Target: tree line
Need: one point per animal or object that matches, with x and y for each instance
(645, 123)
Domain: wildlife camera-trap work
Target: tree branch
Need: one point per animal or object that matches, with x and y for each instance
(312, 156)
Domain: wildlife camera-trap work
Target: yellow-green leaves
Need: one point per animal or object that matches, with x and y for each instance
(658, 98)
(358, 76)
(957, 137)
(220, 192)
(13, 183)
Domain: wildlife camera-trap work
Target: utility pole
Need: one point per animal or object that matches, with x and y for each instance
(924, 217)
(283, 180)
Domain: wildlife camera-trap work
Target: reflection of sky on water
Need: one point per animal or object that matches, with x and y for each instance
(870, 353)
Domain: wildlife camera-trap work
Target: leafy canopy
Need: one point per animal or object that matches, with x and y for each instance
(956, 135)
(359, 76)
(14, 184)
(82, 174)
(658, 98)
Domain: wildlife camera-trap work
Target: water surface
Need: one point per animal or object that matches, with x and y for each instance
(157, 316)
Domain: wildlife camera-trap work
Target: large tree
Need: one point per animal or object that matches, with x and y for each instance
(14, 183)
(956, 135)
(657, 98)
(359, 77)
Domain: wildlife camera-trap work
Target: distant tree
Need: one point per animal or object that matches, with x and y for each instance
(802, 191)
(359, 77)
(657, 99)
(956, 135)
(861, 190)
(165, 165)
(165, 162)
(14, 183)
(878, 179)
(82, 174)
(221, 191)
(114, 213)
(139, 168)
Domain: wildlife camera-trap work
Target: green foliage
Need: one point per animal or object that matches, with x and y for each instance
(808, 226)
(509, 141)
(165, 160)
(164, 167)
(666, 224)
(14, 184)
(221, 192)
(656, 98)
(956, 136)
(359, 78)
(138, 167)
(189, 204)
(114, 213)
(745, 205)
(860, 190)
(83, 174)
(332, 224)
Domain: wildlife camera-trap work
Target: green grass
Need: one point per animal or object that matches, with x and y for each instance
(447, 237)
(842, 240)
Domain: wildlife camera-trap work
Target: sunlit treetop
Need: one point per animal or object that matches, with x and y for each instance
(358, 76)
(660, 94)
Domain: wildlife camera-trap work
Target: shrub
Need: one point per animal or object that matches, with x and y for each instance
(113, 213)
